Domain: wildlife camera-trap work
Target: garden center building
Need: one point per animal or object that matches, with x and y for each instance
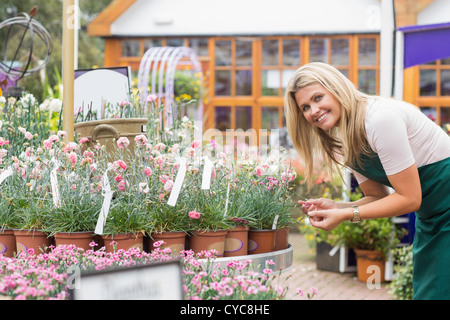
(248, 49)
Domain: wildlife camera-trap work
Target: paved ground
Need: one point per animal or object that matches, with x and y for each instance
(330, 285)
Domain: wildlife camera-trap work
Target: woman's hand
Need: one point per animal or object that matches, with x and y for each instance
(328, 219)
(317, 204)
(324, 213)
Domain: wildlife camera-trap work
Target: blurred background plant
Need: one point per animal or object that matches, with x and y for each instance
(401, 286)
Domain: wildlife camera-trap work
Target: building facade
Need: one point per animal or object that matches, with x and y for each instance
(248, 49)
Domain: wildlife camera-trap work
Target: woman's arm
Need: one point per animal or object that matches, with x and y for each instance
(377, 203)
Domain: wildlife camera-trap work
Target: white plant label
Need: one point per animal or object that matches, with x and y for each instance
(5, 174)
(54, 183)
(107, 196)
(207, 172)
(178, 183)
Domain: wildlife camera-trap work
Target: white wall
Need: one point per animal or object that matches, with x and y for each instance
(436, 12)
(247, 17)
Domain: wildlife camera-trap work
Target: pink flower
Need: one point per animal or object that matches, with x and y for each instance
(74, 187)
(267, 271)
(164, 178)
(259, 171)
(195, 144)
(3, 142)
(148, 171)
(123, 142)
(194, 215)
(84, 140)
(168, 185)
(151, 98)
(121, 164)
(158, 244)
(122, 184)
(140, 139)
(28, 135)
(72, 157)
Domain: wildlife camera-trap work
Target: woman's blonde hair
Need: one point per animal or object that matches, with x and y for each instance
(339, 146)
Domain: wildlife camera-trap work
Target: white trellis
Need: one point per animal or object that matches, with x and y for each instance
(163, 62)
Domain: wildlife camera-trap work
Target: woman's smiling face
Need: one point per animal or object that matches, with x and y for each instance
(319, 106)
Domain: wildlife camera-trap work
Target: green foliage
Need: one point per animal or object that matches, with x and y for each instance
(375, 234)
(402, 285)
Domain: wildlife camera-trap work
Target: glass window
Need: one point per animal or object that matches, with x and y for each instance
(367, 81)
(150, 43)
(270, 52)
(430, 112)
(339, 52)
(243, 82)
(318, 50)
(291, 52)
(223, 53)
(175, 42)
(223, 83)
(427, 82)
(445, 116)
(270, 82)
(445, 61)
(367, 52)
(243, 118)
(269, 118)
(445, 82)
(243, 53)
(285, 77)
(131, 48)
(200, 46)
(223, 118)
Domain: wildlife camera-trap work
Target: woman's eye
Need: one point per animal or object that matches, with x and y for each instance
(305, 108)
(317, 98)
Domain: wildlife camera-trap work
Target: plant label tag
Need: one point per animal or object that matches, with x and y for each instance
(226, 201)
(54, 184)
(178, 183)
(107, 194)
(207, 172)
(275, 221)
(5, 174)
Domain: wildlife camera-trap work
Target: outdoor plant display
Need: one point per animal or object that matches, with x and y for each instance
(31, 276)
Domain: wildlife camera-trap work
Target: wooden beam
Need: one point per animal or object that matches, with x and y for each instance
(68, 62)
(101, 25)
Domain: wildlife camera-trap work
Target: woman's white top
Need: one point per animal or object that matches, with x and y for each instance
(402, 135)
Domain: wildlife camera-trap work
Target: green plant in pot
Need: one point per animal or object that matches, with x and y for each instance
(370, 239)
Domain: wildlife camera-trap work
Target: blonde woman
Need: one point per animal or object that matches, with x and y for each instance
(387, 143)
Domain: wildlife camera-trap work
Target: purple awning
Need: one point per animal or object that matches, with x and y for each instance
(425, 43)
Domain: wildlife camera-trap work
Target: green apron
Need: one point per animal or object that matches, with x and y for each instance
(431, 248)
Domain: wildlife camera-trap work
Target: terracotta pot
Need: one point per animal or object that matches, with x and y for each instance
(7, 243)
(281, 239)
(370, 264)
(123, 241)
(174, 240)
(236, 242)
(208, 240)
(261, 241)
(79, 239)
(32, 239)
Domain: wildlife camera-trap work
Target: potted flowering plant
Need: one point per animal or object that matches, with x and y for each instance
(73, 178)
(268, 199)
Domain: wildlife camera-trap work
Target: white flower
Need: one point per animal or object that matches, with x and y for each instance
(28, 99)
(2, 99)
(45, 106)
(55, 105)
